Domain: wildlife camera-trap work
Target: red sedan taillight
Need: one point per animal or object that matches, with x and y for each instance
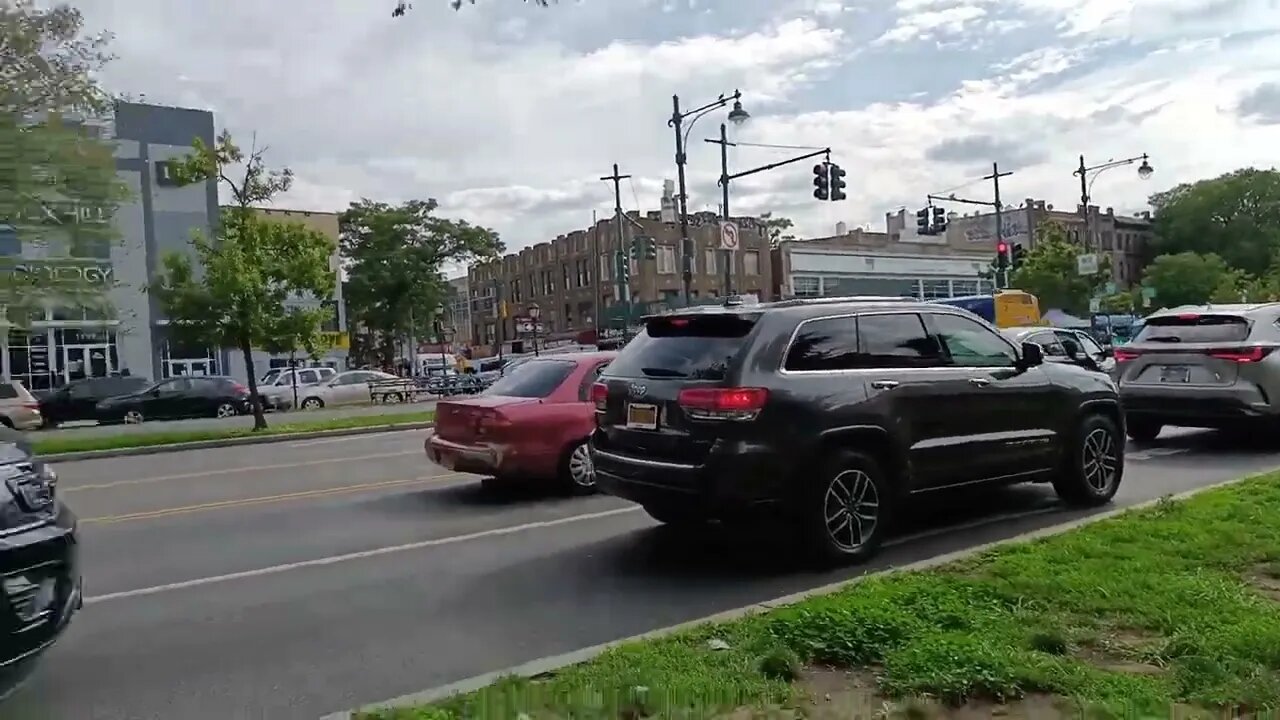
(599, 395)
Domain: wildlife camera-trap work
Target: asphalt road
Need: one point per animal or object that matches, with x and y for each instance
(297, 579)
(92, 429)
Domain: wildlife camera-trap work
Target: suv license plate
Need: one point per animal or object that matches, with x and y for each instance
(642, 416)
(1175, 374)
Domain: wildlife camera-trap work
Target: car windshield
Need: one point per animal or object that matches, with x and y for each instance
(696, 346)
(1194, 328)
(532, 379)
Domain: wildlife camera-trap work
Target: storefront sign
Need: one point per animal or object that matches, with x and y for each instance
(337, 340)
(54, 275)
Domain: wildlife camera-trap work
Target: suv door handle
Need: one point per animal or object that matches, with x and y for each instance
(979, 382)
(884, 384)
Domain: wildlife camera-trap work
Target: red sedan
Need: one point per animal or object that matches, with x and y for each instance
(530, 424)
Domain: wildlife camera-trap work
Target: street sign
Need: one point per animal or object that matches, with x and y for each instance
(1109, 289)
(728, 235)
(1087, 264)
(1095, 304)
(1148, 293)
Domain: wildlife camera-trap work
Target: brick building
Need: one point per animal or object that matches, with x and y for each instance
(571, 278)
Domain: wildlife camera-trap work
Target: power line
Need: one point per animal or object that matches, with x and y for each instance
(777, 147)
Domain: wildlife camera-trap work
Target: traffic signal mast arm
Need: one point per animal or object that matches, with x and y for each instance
(825, 151)
(953, 198)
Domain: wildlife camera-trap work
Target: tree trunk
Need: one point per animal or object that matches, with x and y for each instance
(255, 401)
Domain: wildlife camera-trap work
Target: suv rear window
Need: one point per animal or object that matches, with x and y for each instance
(532, 379)
(1194, 328)
(8, 391)
(684, 346)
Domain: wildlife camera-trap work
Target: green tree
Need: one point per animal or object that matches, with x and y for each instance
(1235, 216)
(395, 253)
(238, 294)
(58, 183)
(776, 228)
(1048, 271)
(1189, 278)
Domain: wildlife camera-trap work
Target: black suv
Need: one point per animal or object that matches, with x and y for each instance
(837, 410)
(39, 568)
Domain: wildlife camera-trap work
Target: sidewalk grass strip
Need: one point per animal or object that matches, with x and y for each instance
(50, 446)
(1169, 611)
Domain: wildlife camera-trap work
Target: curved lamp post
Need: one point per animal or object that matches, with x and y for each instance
(1089, 173)
(534, 311)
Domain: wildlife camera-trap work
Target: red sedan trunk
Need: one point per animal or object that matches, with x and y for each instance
(526, 425)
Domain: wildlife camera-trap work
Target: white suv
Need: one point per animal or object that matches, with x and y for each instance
(276, 387)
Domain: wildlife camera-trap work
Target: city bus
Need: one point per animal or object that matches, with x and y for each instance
(1004, 308)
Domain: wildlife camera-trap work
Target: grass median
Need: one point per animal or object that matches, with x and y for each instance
(1168, 611)
(54, 445)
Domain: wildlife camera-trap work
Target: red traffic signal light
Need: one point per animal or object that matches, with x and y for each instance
(1002, 248)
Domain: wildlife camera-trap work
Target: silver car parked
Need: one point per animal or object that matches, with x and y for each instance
(1208, 366)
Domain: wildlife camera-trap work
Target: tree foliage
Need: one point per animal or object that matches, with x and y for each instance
(242, 290)
(1189, 278)
(776, 228)
(1235, 216)
(395, 284)
(1048, 271)
(58, 182)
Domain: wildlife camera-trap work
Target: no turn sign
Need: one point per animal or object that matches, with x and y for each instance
(728, 235)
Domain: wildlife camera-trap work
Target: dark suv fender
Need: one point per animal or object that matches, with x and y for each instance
(1108, 406)
(873, 440)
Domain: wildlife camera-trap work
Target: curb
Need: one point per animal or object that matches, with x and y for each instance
(552, 663)
(232, 442)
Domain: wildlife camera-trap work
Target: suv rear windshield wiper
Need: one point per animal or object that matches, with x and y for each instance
(661, 372)
(1165, 339)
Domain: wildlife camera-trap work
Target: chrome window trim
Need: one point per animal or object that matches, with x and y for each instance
(918, 312)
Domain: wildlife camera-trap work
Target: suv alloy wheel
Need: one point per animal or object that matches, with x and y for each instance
(846, 510)
(1094, 463)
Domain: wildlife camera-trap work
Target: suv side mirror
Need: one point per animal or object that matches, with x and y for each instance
(1032, 355)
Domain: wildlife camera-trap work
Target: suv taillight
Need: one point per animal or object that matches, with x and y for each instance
(722, 403)
(599, 395)
(1241, 355)
(1122, 355)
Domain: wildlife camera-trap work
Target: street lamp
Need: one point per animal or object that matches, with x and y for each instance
(534, 311)
(446, 335)
(677, 122)
(1089, 173)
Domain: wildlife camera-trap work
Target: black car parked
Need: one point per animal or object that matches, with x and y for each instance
(79, 400)
(177, 398)
(838, 411)
(39, 565)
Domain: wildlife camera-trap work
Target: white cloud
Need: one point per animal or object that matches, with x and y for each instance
(509, 115)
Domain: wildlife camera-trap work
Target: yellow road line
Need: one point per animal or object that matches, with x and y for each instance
(269, 499)
(232, 471)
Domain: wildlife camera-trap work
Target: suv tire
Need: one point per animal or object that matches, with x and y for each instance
(1094, 465)
(845, 511)
(1143, 430)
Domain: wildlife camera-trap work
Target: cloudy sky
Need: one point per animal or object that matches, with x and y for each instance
(508, 114)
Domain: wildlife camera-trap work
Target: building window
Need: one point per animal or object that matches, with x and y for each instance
(635, 267)
(666, 260)
(935, 289)
(606, 269)
(709, 260)
(515, 290)
(564, 271)
(962, 288)
(806, 286)
(751, 262)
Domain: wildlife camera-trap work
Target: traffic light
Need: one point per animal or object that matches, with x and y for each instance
(939, 221)
(644, 248)
(922, 222)
(1002, 255)
(1016, 255)
(623, 267)
(821, 182)
(837, 174)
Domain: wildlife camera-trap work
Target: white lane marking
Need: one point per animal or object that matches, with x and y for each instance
(349, 438)
(234, 470)
(334, 559)
(497, 532)
(1155, 453)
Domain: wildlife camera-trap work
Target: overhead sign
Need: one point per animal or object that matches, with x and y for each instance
(728, 235)
(1087, 264)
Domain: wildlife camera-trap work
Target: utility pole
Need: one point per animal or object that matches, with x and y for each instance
(686, 245)
(595, 274)
(1083, 171)
(994, 177)
(624, 293)
(726, 255)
